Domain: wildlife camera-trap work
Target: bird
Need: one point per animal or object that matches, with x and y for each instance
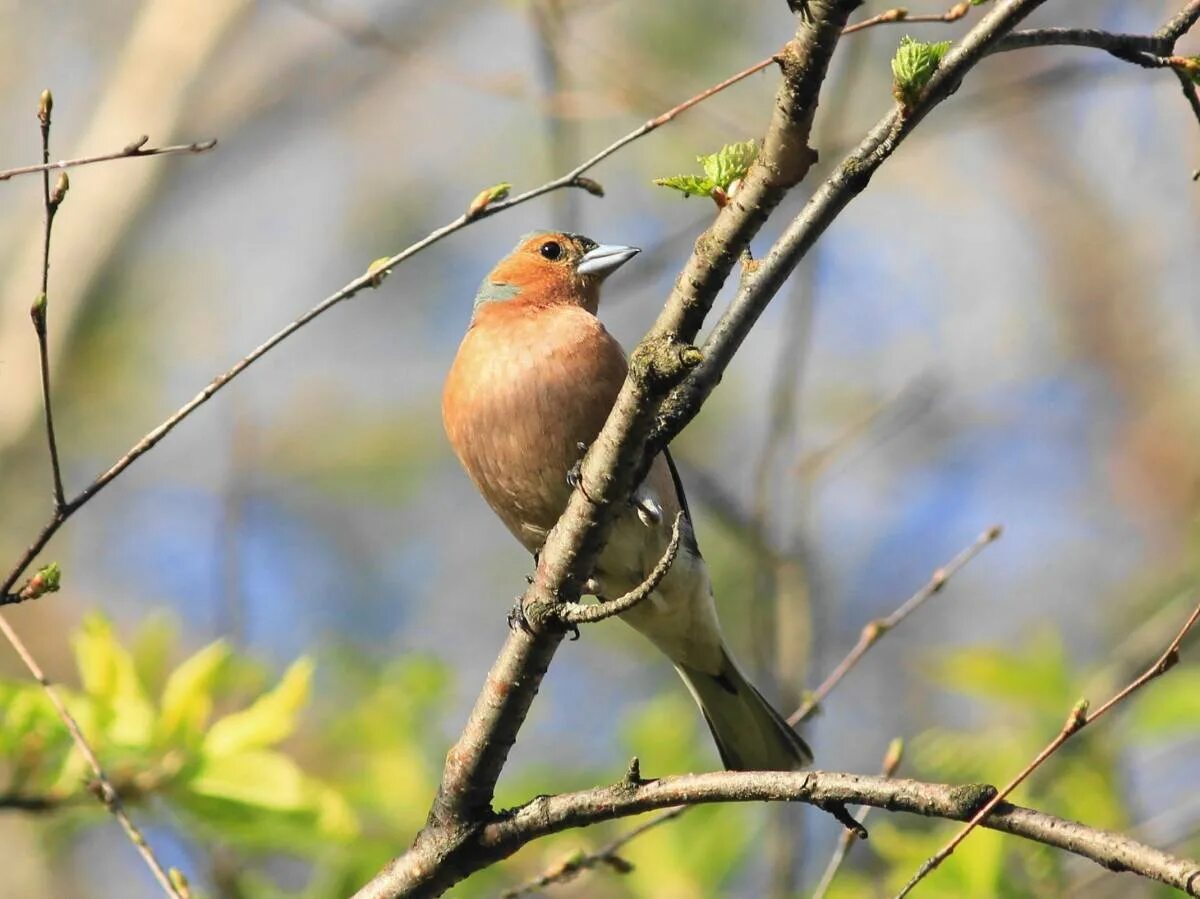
(533, 381)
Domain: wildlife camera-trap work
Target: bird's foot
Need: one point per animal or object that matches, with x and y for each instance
(517, 621)
(575, 472)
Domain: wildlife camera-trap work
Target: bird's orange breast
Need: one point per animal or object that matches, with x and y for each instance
(529, 384)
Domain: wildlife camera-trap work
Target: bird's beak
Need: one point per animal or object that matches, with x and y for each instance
(605, 259)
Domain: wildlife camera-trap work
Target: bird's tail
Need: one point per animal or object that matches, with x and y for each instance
(750, 734)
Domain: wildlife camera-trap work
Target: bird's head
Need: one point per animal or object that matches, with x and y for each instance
(552, 267)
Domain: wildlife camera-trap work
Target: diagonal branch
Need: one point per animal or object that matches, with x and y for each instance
(852, 175)
(874, 630)
(443, 852)
(1077, 720)
(608, 854)
(372, 278)
(103, 787)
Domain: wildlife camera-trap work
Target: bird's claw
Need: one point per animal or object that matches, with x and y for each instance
(517, 621)
(575, 472)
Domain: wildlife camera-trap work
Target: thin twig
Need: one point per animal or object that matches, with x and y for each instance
(38, 312)
(891, 761)
(900, 14)
(874, 630)
(372, 278)
(587, 613)
(609, 474)
(104, 789)
(474, 763)
(134, 149)
(853, 174)
(1077, 720)
(608, 854)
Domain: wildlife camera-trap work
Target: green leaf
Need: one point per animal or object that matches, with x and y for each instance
(260, 777)
(271, 718)
(688, 185)
(110, 677)
(187, 695)
(730, 163)
(721, 170)
(27, 710)
(271, 783)
(913, 66)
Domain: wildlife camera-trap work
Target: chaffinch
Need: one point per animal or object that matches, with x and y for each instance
(535, 378)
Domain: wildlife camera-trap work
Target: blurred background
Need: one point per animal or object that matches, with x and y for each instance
(1004, 328)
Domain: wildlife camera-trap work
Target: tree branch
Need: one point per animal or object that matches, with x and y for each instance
(552, 814)
(24, 802)
(102, 786)
(874, 630)
(608, 854)
(372, 278)
(1077, 720)
(901, 15)
(131, 150)
(39, 310)
(851, 178)
(442, 853)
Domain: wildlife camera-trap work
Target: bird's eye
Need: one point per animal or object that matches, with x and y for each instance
(551, 249)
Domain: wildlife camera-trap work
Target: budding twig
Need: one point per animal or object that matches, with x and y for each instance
(874, 630)
(1077, 719)
(37, 312)
(891, 761)
(135, 148)
(102, 786)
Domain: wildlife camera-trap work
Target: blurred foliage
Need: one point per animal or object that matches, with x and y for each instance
(1023, 694)
(211, 740)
